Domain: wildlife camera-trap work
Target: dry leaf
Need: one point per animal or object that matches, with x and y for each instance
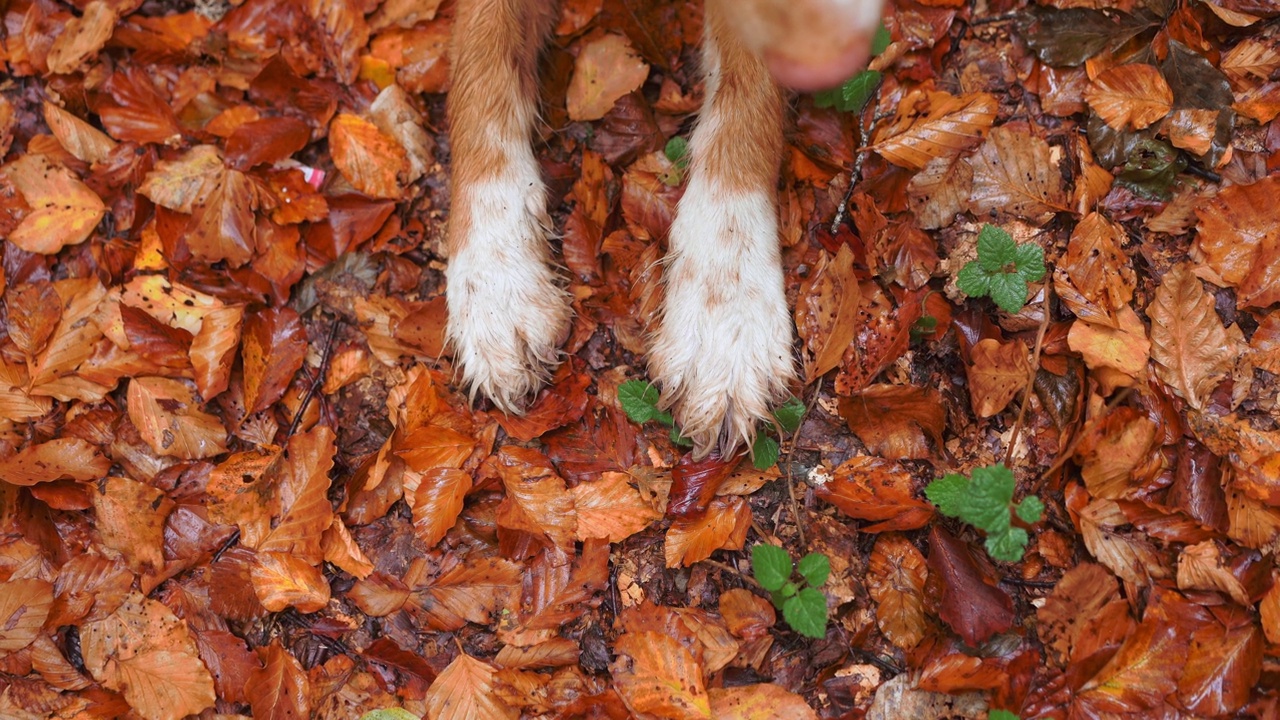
(281, 581)
(656, 675)
(1191, 349)
(372, 161)
(464, 691)
(827, 312)
(723, 526)
(64, 211)
(606, 69)
(58, 459)
(931, 125)
(1015, 173)
(1238, 239)
(82, 38)
(896, 575)
(611, 508)
(877, 490)
(167, 416)
(997, 374)
(1130, 97)
(764, 701)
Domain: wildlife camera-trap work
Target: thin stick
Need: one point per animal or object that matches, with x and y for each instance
(1031, 377)
(319, 378)
(864, 132)
(731, 569)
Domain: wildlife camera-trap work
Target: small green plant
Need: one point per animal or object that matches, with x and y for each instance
(640, 400)
(677, 151)
(802, 605)
(854, 93)
(1002, 270)
(389, 714)
(985, 502)
(1001, 715)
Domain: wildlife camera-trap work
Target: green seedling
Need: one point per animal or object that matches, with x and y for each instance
(1003, 269)
(985, 502)
(803, 606)
(854, 93)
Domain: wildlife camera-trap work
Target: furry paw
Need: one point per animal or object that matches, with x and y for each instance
(723, 351)
(507, 312)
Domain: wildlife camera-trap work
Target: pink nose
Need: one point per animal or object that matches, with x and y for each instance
(808, 72)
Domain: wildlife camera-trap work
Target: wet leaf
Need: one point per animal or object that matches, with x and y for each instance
(1190, 347)
(876, 490)
(655, 674)
(64, 211)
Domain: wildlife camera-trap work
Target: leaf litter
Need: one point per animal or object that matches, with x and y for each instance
(236, 480)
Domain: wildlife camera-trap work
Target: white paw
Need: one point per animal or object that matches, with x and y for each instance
(507, 313)
(723, 351)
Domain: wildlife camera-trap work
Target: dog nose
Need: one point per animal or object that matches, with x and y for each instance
(815, 68)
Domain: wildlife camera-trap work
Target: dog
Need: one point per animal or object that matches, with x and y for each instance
(722, 353)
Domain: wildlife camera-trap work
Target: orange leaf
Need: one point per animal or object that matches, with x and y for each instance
(1191, 349)
(881, 491)
(280, 689)
(657, 676)
(1124, 348)
(896, 422)
(1015, 173)
(24, 605)
(1112, 450)
(1145, 669)
(213, 349)
(827, 312)
(724, 526)
(434, 446)
(764, 701)
(1238, 238)
(64, 211)
(746, 614)
(437, 502)
(997, 374)
(464, 691)
(167, 416)
(78, 137)
(1224, 664)
(1095, 278)
(468, 592)
(130, 518)
(929, 125)
(537, 501)
(896, 575)
(82, 38)
(611, 508)
(606, 69)
(58, 459)
(1130, 97)
(1084, 616)
(300, 506)
(368, 158)
(146, 653)
(281, 581)
(273, 348)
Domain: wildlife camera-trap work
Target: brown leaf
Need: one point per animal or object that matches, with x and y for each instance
(64, 211)
(58, 459)
(1203, 566)
(746, 614)
(1130, 555)
(132, 110)
(1238, 239)
(940, 191)
(1130, 97)
(1112, 449)
(606, 69)
(877, 490)
(213, 349)
(1190, 347)
(1095, 279)
(167, 416)
(33, 312)
(1143, 671)
(24, 605)
(928, 125)
(279, 690)
(379, 595)
(368, 158)
(723, 526)
(130, 519)
(695, 482)
(896, 422)
(394, 114)
(971, 603)
(764, 701)
(1224, 664)
(281, 581)
(896, 575)
(1084, 617)
(84, 141)
(537, 501)
(146, 653)
(611, 508)
(83, 37)
(464, 691)
(656, 675)
(273, 349)
(437, 501)
(997, 373)
(299, 503)
(1014, 173)
(827, 312)
(467, 592)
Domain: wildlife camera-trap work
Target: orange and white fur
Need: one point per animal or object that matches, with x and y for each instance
(722, 353)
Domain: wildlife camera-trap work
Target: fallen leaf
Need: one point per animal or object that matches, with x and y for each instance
(279, 690)
(1237, 238)
(1094, 278)
(24, 605)
(876, 490)
(1130, 97)
(166, 414)
(464, 691)
(763, 701)
(723, 526)
(58, 459)
(606, 68)
(1143, 672)
(611, 508)
(929, 125)
(282, 581)
(131, 520)
(827, 312)
(1124, 348)
(896, 575)
(997, 373)
(1190, 347)
(896, 422)
(971, 603)
(656, 675)
(372, 161)
(1014, 173)
(64, 211)
(82, 38)
(1223, 665)
(437, 501)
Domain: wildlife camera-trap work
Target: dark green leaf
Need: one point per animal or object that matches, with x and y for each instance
(764, 452)
(1029, 259)
(1071, 36)
(1007, 545)
(1009, 291)
(677, 151)
(990, 493)
(814, 568)
(1196, 83)
(806, 613)
(880, 41)
(1113, 147)
(1030, 509)
(789, 414)
(1001, 715)
(973, 280)
(949, 494)
(1152, 169)
(856, 91)
(996, 249)
(771, 566)
(639, 400)
(676, 438)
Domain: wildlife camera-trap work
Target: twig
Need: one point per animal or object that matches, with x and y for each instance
(1066, 454)
(791, 451)
(317, 380)
(864, 132)
(731, 569)
(1031, 377)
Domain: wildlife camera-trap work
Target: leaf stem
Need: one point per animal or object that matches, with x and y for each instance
(1031, 375)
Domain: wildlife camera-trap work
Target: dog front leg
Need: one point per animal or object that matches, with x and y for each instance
(722, 352)
(507, 313)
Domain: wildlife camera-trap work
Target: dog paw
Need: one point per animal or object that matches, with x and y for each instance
(722, 353)
(508, 314)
